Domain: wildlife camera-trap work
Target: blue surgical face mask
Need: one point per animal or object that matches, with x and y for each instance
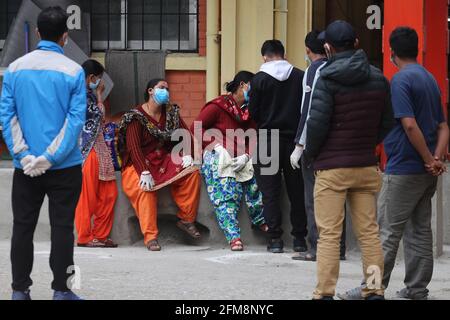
(247, 94)
(94, 85)
(161, 96)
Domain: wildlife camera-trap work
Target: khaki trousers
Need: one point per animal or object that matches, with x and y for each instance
(333, 187)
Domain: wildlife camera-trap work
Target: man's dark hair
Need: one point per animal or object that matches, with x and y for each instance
(150, 85)
(52, 23)
(273, 48)
(93, 67)
(241, 76)
(313, 43)
(404, 41)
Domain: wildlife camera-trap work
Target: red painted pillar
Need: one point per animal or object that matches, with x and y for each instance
(430, 19)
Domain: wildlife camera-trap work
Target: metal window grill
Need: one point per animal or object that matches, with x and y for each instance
(170, 25)
(8, 10)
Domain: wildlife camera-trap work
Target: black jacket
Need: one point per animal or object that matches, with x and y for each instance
(275, 98)
(351, 112)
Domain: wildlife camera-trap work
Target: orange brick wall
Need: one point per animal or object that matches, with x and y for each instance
(202, 28)
(188, 90)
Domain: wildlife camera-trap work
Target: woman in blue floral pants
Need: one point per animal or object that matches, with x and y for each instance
(226, 196)
(225, 183)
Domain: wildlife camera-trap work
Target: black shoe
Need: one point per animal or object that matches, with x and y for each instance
(325, 298)
(21, 295)
(300, 245)
(343, 258)
(405, 294)
(375, 297)
(276, 246)
(305, 256)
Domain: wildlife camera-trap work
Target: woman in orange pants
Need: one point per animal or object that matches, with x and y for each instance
(95, 210)
(149, 165)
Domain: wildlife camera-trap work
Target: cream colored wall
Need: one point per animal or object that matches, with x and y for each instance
(299, 24)
(246, 24)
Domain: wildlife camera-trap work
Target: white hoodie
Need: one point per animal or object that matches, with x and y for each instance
(279, 69)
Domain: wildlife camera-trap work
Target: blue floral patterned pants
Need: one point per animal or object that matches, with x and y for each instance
(226, 196)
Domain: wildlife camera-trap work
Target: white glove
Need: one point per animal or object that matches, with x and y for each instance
(146, 182)
(219, 149)
(37, 167)
(27, 160)
(240, 162)
(296, 156)
(188, 161)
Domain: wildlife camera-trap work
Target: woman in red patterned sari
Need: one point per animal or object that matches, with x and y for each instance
(145, 138)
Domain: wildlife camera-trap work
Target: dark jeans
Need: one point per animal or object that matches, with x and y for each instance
(63, 188)
(270, 186)
(309, 179)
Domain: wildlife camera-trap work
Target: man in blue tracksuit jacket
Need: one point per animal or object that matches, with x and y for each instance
(42, 110)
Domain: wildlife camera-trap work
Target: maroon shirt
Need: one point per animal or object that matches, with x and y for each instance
(213, 116)
(146, 153)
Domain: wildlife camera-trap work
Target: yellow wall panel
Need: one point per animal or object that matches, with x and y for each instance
(299, 24)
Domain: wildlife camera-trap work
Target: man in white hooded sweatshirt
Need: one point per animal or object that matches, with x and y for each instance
(275, 105)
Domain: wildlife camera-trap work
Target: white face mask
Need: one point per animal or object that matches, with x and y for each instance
(66, 41)
(308, 59)
(393, 60)
(328, 51)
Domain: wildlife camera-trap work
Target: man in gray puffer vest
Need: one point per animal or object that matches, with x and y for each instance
(350, 115)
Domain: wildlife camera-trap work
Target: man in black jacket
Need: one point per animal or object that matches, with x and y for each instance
(275, 103)
(351, 113)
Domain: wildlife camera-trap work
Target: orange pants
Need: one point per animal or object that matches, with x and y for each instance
(185, 192)
(97, 200)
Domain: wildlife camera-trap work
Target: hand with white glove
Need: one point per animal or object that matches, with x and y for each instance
(27, 160)
(240, 162)
(188, 161)
(146, 183)
(219, 149)
(296, 156)
(37, 167)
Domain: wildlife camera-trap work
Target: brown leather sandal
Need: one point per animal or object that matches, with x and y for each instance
(95, 243)
(189, 228)
(153, 245)
(110, 244)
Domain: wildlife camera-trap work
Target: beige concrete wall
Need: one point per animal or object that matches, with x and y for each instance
(246, 24)
(299, 24)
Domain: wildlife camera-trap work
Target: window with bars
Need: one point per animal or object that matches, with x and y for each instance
(8, 10)
(131, 24)
(145, 24)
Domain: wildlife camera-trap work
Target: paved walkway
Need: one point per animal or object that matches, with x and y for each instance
(184, 273)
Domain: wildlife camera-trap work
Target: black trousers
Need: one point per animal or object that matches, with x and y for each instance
(63, 188)
(270, 186)
(313, 234)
